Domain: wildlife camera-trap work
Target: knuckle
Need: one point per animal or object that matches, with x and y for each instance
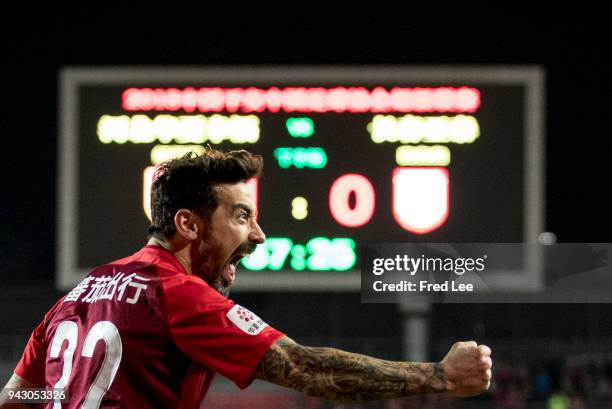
(484, 349)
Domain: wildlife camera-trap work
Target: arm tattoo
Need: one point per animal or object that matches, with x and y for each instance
(343, 376)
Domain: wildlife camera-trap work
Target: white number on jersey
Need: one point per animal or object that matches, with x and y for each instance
(103, 330)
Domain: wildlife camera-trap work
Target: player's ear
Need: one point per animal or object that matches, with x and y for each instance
(188, 225)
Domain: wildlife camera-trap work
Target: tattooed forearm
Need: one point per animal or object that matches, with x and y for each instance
(343, 376)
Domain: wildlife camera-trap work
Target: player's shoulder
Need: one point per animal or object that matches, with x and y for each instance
(190, 292)
(189, 286)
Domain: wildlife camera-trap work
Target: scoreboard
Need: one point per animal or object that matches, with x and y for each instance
(352, 155)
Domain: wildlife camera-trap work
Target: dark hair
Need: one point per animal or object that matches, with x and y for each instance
(187, 183)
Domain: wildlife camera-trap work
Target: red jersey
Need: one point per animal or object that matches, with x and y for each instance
(142, 333)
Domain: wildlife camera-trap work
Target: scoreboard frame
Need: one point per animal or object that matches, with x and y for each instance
(72, 78)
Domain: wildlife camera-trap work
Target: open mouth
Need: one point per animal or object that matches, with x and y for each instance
(236, 259)
(229, 272)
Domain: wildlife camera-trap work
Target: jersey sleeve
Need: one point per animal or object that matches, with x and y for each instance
(31, 367)
(221, 335)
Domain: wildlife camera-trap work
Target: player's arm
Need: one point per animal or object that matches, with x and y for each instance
(30, 370)
(16, 382)
(343, 376)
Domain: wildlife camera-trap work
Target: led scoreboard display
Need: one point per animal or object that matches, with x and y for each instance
(352, 156)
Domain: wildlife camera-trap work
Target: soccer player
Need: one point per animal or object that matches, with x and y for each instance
(152, 329)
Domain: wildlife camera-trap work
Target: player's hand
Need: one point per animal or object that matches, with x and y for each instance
(468, 368)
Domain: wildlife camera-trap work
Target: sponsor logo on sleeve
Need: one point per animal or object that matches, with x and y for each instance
(246, 320)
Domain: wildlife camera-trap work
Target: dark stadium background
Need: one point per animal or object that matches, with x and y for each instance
(527, 340)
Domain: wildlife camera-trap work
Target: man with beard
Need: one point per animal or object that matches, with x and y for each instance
(151, 330)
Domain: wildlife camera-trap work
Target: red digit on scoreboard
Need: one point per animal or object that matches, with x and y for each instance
(365, 200)
(420, 199)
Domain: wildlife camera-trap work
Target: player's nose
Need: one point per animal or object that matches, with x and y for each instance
(257, 235)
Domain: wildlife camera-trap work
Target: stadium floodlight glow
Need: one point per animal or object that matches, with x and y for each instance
(300, 127)
(416, 129)
(422, 155)
(420, 198)
(339, 200)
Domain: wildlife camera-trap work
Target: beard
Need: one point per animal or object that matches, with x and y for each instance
(213, 267)
(222, 286)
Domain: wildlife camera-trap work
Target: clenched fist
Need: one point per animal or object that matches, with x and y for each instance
(468, 368)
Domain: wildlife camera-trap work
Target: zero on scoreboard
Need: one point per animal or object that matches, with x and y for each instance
(352, 155)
